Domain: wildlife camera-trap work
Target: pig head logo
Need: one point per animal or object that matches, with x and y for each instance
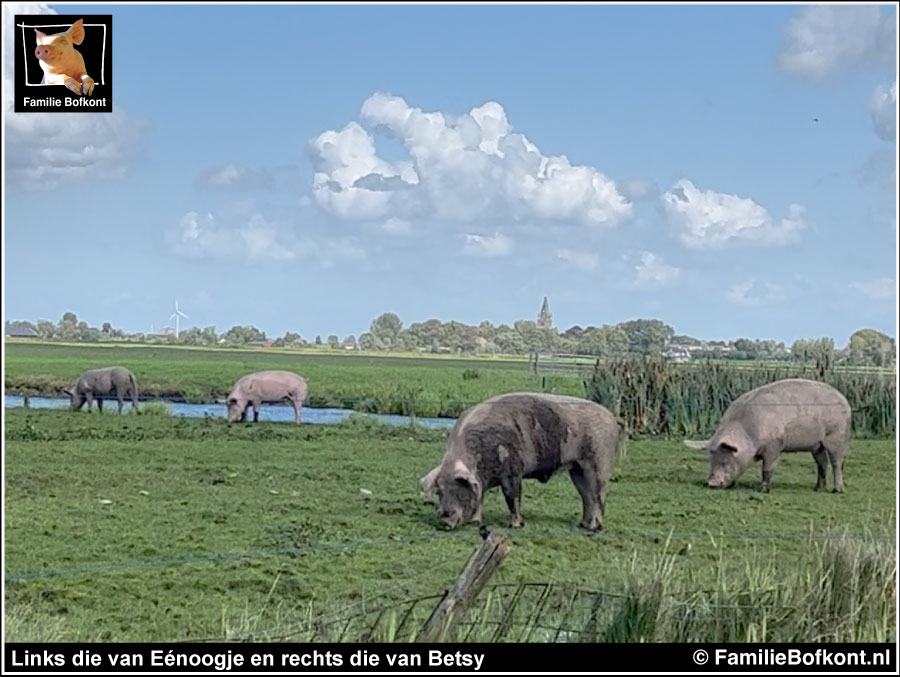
(61, 62)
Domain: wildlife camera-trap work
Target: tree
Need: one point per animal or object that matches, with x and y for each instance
(386, 327)
(870, 347)
(350, 342)
(241, 335)
(318, 340)
(511, 343)
(366, 341)
(107, 328)
(333, 341)
(46, 329)
(650, 337)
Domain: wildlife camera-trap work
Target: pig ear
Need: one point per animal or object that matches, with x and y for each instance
(429, 481)
(67, 392)
(40, 36)
(728, 447)
(462, 474)
(76, 32)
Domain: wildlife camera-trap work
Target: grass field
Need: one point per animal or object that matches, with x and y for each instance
(155, 528)
(426, 386)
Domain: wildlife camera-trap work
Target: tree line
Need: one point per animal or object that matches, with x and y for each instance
(867, 347)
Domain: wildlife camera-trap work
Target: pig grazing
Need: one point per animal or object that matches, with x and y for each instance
(790, 415)
(268, 387)
(97, 383)
(61, 62)
(520, 435)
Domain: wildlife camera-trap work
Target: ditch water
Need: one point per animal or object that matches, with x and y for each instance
(266, 412)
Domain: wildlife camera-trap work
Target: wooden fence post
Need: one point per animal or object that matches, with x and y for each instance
(481, 565)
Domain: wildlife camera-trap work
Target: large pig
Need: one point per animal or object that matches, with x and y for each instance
(97, 383)
(790, 415)
(61, 62)
(268, 387)
(520, 435)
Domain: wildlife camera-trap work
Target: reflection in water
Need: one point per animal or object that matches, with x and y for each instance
(266, 412)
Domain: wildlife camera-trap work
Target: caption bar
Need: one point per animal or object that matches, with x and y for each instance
(249, 658)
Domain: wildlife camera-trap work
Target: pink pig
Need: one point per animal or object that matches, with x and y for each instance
(61, 62)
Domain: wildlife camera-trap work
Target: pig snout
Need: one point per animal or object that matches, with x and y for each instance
(449, 519)
(44, 53)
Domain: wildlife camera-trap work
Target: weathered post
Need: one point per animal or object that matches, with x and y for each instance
(481, 565)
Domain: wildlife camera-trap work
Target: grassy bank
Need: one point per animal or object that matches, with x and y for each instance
(425, 386)
(152, 528)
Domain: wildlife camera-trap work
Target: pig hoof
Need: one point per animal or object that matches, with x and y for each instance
(516, 523)
(88, 86)
(819, 487)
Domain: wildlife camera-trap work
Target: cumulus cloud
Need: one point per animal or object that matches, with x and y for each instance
(751, 293)
(233, 178)
(45, 150)
(579, 260)
(463, 169)
(489, 246)
(879, 289)
(200, 235)
(652, 271)
(823, 38)
(710, 220)
(883, 108)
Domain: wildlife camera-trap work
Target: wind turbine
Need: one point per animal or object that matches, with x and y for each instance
(177, 314)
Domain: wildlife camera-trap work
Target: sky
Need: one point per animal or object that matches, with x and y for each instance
(730, 170)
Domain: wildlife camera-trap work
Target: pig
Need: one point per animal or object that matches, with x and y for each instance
(785, 416)
(525, 435)
(268, 387)
(61, 62)
(96, 383)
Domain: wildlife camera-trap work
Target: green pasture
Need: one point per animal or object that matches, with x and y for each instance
(155, 528)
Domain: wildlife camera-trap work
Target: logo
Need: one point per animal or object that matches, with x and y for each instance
(63, 63)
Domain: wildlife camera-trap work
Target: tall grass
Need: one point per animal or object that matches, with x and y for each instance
(658, 397)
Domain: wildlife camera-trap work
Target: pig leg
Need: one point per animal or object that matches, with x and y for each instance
(769, 459)
(511, 484)
(593, 495)
(256, 411)
(89, 397)
(100, 404)
(834, 446)
(244, 413)
(87, 84)
(72, 84)
(121, 401)
(821, 457)
(297, 406)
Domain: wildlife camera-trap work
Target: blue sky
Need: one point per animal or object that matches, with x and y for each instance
(307, 168)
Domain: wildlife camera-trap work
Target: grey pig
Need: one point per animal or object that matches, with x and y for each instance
(784, 416)
(525, 435)
(265, 386)
(96, 383)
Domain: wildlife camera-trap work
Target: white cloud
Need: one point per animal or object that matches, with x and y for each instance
(879, 289)
(488, 245)
(45, 150)
(256, 240)
(883, 108)
(751, 293)
(709, 220)
(231, 177)
(652, 271)
(579, 260)
(823, 38)
(466, 169)
(395, 226)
